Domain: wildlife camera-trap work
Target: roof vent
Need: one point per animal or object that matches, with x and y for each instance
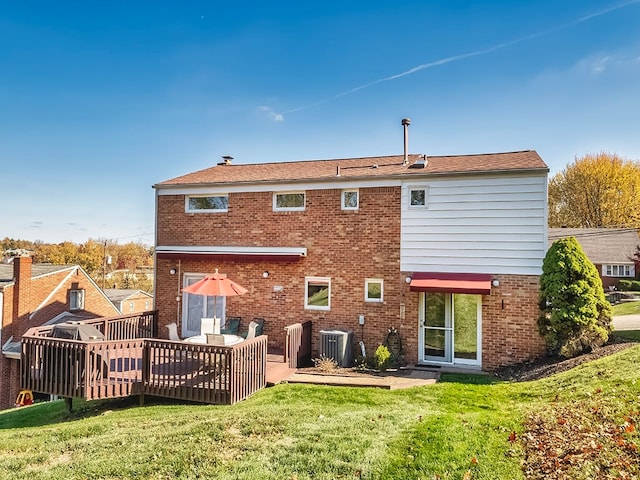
(420, 163)
(226, 160)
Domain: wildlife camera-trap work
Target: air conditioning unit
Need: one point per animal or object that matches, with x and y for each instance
(337, 344)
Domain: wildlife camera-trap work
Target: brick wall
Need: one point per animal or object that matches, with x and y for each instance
(348, 247)
(141, 303)
(509, 322)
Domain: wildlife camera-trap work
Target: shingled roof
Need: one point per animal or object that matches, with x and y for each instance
(366, 167)
(37, 270)
(608, 246)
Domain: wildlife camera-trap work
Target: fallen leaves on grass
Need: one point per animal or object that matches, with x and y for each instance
(581, 440)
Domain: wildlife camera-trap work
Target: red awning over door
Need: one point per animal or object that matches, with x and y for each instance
(475, 283)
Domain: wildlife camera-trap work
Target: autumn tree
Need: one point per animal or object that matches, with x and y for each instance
(574, 313)
(600, 190)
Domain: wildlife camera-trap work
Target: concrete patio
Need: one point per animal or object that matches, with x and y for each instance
(391, 380)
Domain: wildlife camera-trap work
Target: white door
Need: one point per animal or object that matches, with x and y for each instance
(450, 328)
(196, 307)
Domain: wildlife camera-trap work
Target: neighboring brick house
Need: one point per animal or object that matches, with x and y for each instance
(447, 250)
(611, 250)
(130, 300)
(31, 295)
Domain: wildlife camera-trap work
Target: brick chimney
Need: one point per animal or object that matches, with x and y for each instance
(22, 287)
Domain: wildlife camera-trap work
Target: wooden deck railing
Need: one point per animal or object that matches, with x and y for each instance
(297, 351)
(204, 373)
(125, 327)
(89, 369)
(119, 367)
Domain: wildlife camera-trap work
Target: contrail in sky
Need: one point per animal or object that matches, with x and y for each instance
(462, 56)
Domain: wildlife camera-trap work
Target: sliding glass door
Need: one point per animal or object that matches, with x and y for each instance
(450, 328)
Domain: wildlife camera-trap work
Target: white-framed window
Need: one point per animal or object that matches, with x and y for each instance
(350, 200)
(373, 290)
(76, 299)
(288, 201)
(132, 306)
(417, 197)
(206, 203)
(317, 293)
(146, 304)
(618, 271)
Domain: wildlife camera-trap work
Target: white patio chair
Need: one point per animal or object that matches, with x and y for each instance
(173, 332)
(207, 326)
(253, 326)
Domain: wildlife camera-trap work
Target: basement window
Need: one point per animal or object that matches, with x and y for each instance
(206, 203)
(76, 299)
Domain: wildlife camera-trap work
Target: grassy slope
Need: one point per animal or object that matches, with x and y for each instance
(302, 432)
(626, 308)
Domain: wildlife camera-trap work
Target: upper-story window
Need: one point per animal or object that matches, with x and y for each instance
(207, 203)
(350, 199)
(618, 271)
(76, 299)
(418, 197)
(288, 201)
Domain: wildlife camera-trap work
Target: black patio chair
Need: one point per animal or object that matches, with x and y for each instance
(232, 326)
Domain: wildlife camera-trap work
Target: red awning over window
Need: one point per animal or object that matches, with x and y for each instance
(476, 283)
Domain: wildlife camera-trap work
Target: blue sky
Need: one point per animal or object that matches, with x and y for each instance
(101, 100)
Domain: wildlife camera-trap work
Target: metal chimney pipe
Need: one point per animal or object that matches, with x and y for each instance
(405, 123)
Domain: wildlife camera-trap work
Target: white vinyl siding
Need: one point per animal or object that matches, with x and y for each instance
(477, 224)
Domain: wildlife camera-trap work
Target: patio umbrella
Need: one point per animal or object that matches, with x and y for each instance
(215, 285)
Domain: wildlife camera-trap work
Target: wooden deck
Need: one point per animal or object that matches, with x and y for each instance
(277, 369)
(142, 365)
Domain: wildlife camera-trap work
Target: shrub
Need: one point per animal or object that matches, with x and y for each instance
(574, 314)
(629, 285)
(382, 358)
(326, 364)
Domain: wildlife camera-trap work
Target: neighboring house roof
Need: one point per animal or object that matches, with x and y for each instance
(37, 270)
(367, 167)
(122, 294)
(12, 349)
(602, 245)
(68, 317)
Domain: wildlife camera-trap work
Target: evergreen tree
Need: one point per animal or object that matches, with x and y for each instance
(575, 316)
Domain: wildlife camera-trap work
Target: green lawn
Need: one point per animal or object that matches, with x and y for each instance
(626, 308)
(461, 426)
